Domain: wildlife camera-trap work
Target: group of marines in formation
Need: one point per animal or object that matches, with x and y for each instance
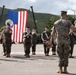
(59, 38)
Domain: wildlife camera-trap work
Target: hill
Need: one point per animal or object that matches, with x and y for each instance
(42, 18)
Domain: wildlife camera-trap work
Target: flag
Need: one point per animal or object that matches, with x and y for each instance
(19, 24)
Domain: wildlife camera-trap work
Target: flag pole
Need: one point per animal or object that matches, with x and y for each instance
(34, 18)
(2, 14)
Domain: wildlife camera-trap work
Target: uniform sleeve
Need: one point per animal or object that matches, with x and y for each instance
(42, 36)
(23, 35)
(53, 28)
(56, 24)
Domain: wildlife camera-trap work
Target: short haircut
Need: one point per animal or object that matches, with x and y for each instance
(63, 13)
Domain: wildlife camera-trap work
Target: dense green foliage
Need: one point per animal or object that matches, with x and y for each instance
(71, 18)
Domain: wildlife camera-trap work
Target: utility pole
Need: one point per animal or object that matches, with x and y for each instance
(2, 14)
(34, 19)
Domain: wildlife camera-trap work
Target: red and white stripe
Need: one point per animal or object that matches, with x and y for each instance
(19, 29)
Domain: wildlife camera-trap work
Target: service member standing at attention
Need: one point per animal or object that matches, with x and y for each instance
(34, 41)
(72, 39)
(46, 37)
(61, 29)
(6, 40)
(27, 41)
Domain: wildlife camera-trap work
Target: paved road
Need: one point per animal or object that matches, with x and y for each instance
(36, 65)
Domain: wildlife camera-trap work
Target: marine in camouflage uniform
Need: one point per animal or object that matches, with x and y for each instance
(72, 39)
(27, 42)
(46, 37)
(62, 29)
(34, 41)
(6, 40)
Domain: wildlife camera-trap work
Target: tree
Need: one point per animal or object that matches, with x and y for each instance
(71, 18)
(51, 22)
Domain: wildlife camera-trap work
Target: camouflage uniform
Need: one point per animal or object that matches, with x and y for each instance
(34, 42)
(45, 37)
(6, 34)
(62, 27)
(72, 39)
(27, 43)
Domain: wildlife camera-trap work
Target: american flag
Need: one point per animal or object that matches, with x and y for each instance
(20, 21)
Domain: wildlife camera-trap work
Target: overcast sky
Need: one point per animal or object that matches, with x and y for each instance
(42, 6)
